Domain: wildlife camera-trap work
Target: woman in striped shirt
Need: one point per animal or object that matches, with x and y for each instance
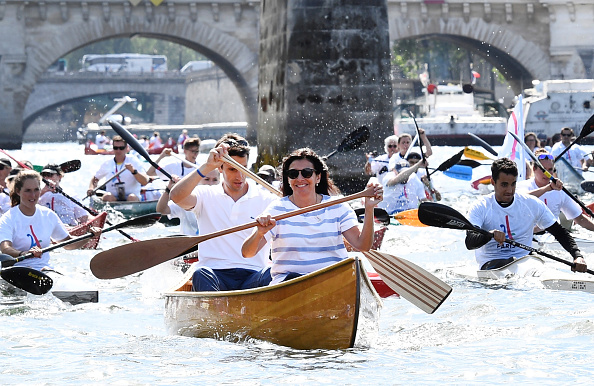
(313, 240)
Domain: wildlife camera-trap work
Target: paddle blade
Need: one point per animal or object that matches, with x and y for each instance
(442, 216)
(409, 217)
(470, 162)
(588, 186)
(355, 139)
(475, 155)
(410, 281)
(131, 258)
(451, 162)
(484, 144)
(28, 279)
(459, 172)
(129, 138)
(70, 166)
(143, 221)
(588, 127)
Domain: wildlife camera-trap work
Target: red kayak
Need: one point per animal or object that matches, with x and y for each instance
(81, 229)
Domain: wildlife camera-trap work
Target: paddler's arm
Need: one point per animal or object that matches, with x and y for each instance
(92, 186)
(165, 153)
(403, 176)
(142, 178)
(568, 243)
(163, 203)
(557, 185)
(362, 240)
(253, 244)
(181, 193)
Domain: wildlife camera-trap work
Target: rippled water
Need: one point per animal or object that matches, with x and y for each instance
(484, 333)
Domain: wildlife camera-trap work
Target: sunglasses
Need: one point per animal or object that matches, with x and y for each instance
(119, 147)
(234, 143)
(546, 156)
(294, 173)
(392, 146)
(565, 135)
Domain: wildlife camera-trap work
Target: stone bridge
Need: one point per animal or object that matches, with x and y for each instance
(524, 39)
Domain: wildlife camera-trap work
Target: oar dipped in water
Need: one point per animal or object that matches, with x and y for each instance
(442, 216)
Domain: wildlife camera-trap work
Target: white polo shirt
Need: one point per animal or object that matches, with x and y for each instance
(217, 211)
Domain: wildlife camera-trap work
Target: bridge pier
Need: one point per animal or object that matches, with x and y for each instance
(324, 71)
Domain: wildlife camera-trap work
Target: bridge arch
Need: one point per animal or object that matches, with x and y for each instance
(232, 56)
(519, 60)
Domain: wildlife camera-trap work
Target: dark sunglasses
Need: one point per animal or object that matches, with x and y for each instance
(119, 147)
(233, 143)
(565, 135)
(294, 173)
(391, 146)
(546, 156)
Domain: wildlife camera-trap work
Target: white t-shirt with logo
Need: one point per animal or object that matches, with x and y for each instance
(25, 231)
(517, 221)
(67, 211)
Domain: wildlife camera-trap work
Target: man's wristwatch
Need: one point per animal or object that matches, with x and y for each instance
(135, 172)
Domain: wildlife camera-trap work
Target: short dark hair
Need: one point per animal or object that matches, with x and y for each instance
(238, 146)
(191, 142)
(503, 165)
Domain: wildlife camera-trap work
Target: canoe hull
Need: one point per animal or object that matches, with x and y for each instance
(317, 311)
(128, 209)
(79, 230)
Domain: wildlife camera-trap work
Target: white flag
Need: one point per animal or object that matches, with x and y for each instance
(511, 148)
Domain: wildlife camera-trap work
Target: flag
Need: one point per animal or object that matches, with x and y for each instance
(475, 76)
(511, 148)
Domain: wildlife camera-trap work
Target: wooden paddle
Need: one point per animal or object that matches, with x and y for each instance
(138, 222)
(409, 217)
(587, 129)
(59, 190)
(353, 141)
(131, 258)
(549, 176)
(410, 281)
(484, 144)
(27, 279)
(442, 216)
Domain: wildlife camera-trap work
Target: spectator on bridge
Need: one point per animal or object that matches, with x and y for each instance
(101, 140)
(126, 186)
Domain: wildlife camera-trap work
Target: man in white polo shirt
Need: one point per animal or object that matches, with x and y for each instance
(236, 201)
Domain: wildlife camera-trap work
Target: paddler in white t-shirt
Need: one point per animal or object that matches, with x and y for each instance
(551, 193)
(507, 214)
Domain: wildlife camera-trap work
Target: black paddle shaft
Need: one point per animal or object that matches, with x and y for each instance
(442, 216)
(130, 140)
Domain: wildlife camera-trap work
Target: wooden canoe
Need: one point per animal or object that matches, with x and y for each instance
(321, 310)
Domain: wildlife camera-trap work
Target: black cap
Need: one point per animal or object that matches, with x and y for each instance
(413, 155)
(5, 162)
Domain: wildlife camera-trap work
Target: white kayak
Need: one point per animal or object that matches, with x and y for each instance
(531, 266)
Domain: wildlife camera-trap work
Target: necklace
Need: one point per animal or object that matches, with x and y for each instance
(318, 199)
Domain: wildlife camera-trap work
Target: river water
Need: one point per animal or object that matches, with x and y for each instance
(494, 333)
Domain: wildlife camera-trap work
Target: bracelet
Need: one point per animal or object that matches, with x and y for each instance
(167, 190)
(200, 174)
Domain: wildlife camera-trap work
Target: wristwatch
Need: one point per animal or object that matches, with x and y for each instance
(135, 172)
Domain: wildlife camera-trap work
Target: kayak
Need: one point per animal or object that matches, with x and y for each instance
(81, 229)
(128, 209)
(532, 266)
(548, 242)
(325, 309)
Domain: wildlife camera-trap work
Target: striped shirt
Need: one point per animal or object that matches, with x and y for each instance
(310, 241)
